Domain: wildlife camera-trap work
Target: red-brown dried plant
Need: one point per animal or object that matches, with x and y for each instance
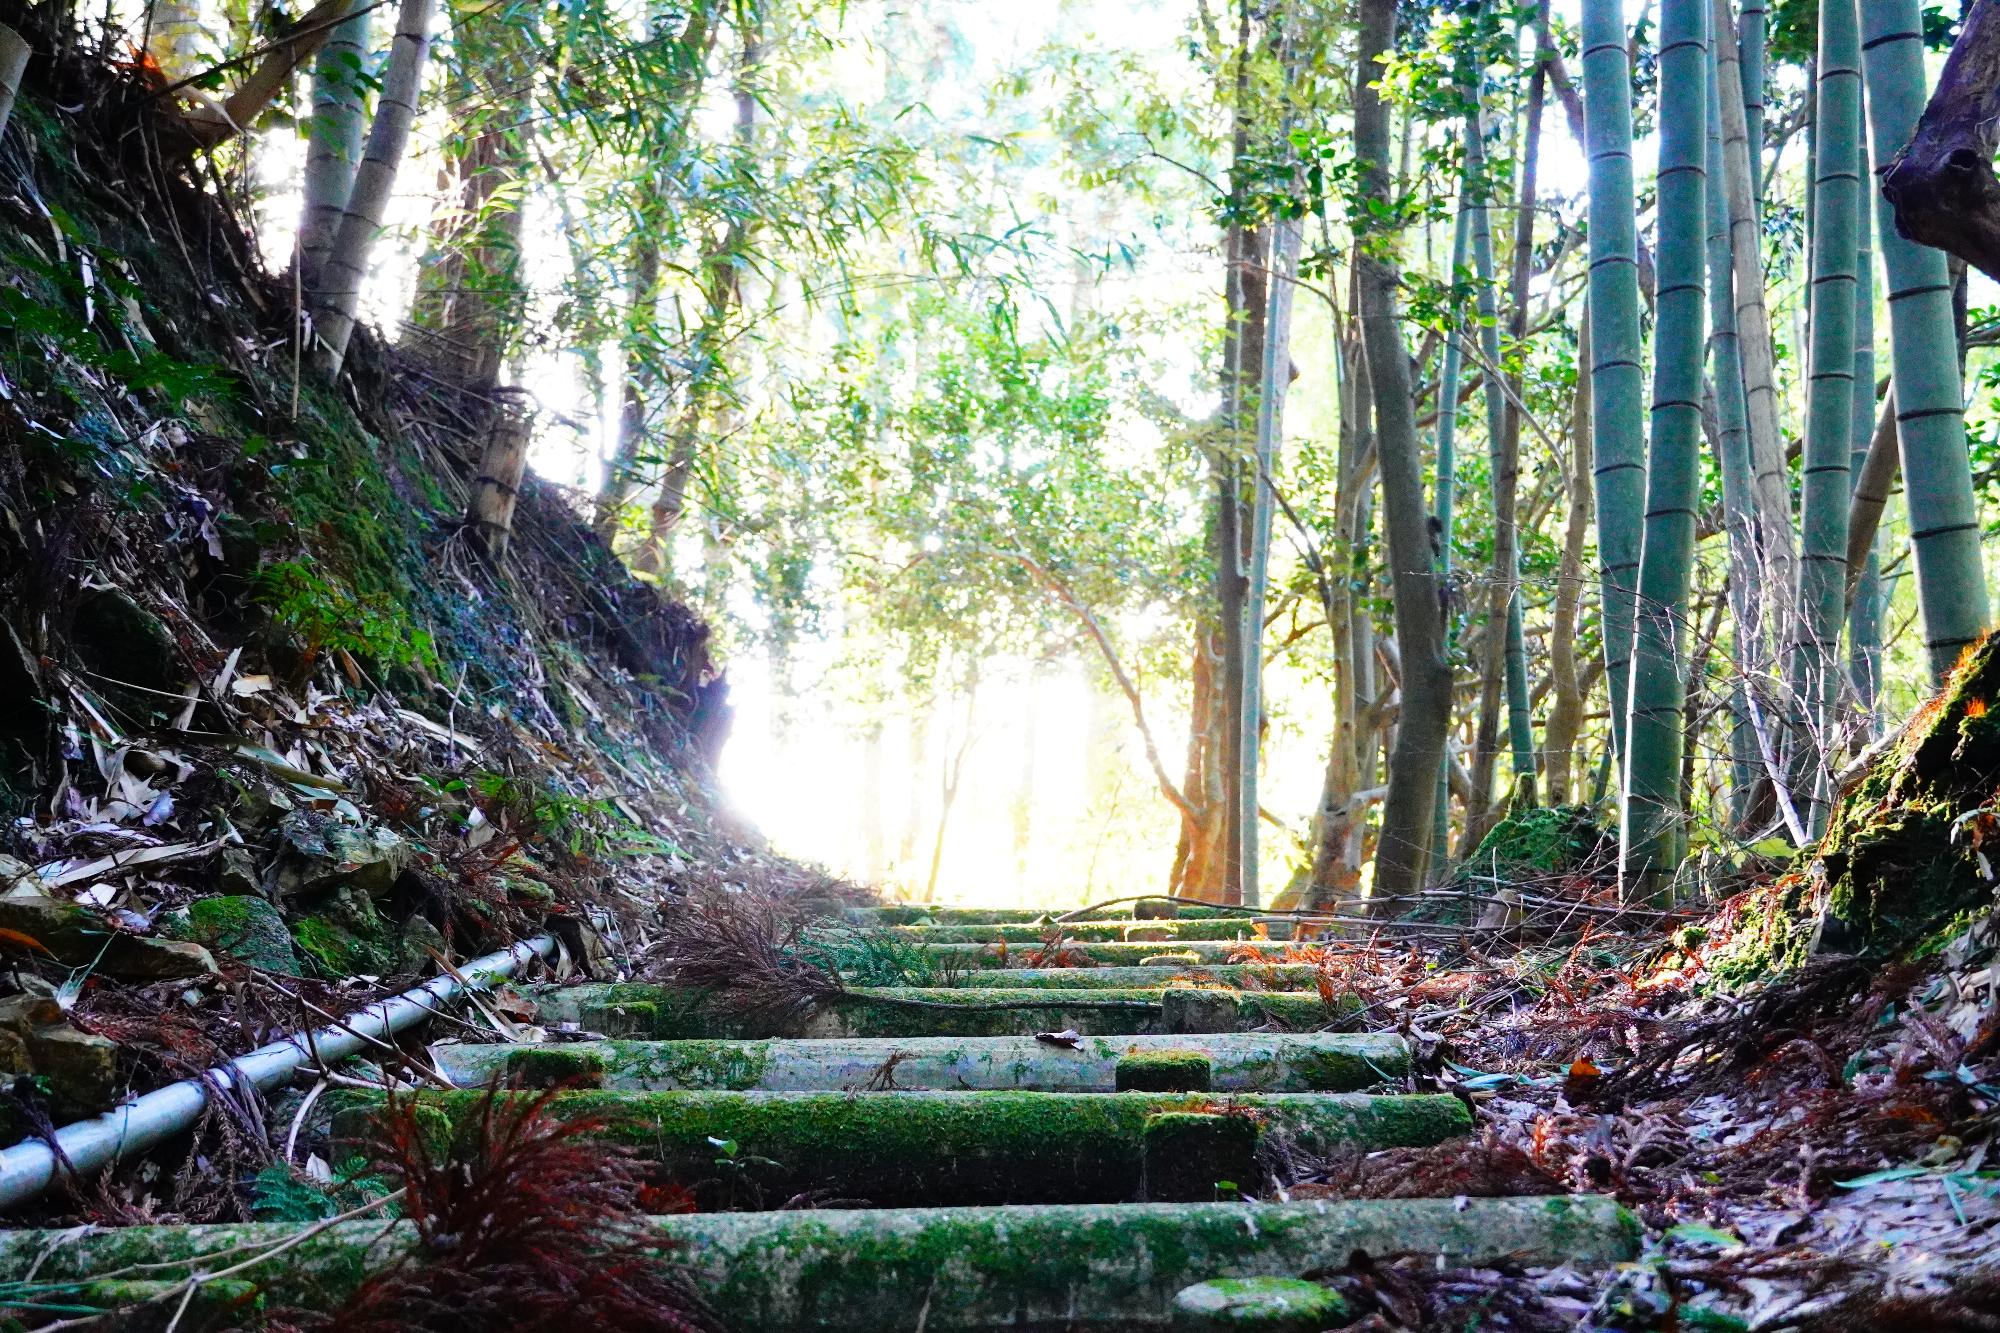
(523, 1222)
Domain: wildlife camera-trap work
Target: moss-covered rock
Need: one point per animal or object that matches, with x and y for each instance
(1550, 840)
(321, 853)
(79, 937)
(347, 937)
(1265, 1304)
(240, 926)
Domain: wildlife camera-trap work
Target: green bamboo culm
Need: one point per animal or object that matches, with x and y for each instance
(1813, 671)
(1751, 30)
(1444, 506)
(1923, 353)
(1739, 482)
(1617, 382)
(1520, 720)
(1651, 829)
(1864, 612)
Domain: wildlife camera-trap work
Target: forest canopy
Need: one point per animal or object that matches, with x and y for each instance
(1246, 451)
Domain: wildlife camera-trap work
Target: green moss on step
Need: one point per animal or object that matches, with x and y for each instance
(1264, 1304)
(917, 1148)
(1163, 1071)
(1195, 1156)
(555, 1066)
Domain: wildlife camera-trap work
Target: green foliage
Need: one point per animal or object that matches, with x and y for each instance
(283, 1193)
(877, 958)
(327, 616)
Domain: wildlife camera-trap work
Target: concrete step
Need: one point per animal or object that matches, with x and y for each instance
(762, 1149)
(1123, 953)
(1218, 1062)
(1249, 976)
(1092, 1269)
(1093, 931)
(664, 1013)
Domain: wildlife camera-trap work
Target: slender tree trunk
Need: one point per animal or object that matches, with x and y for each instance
(502, 464)
(1445, 504)
(1493, 657)
(470, 297)
(1930, 420)
(14, 53)
(640, 383)
(722, 298)
(1403, 848)
(1651, 829)
(333, 145)
(1753, 323)
(1274, 373)
(1617, 380)
(1507, 470)
(1739, 485)
(1565, 686)
(339, 296)
(621, 477)
(1864, 594)
(1751, 33)
(1340, 852)
(1815, 670)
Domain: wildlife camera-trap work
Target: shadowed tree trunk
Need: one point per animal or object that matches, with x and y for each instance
(1941, 184)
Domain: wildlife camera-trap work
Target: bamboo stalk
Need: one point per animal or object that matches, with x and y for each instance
(1813, 669)
(338, 298)
(1930, 417)
(14, 53)
(1651, 833)
(1616, 370)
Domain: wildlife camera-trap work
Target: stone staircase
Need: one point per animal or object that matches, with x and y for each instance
(1047, 1149)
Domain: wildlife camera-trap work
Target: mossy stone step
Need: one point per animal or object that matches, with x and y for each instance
(1157, 932)
(1116, 953)
(919, 914)
(1228, 1062)
(1252, 976)
(760, 1149)
(1092, 1269)
(664, 1013)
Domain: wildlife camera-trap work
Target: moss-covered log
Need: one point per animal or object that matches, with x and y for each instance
(1232, 1062)
(1106, 1269)
(759, 1149)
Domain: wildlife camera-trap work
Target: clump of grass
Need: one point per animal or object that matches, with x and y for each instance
(879, 958)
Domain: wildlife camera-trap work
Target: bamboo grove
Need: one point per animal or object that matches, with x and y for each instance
(1556, 369)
